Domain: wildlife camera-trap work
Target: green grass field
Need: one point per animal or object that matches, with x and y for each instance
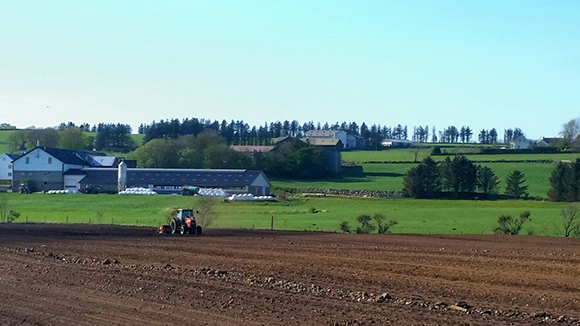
(403, 154)
(314, 214)
(390, 177)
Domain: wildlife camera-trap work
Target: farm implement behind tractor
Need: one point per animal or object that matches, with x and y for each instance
(182, 223)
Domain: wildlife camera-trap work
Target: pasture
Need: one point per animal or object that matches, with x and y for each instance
(408, 155)
(311, 214)
(386, 176)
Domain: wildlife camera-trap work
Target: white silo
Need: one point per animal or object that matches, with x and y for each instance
(122, 180)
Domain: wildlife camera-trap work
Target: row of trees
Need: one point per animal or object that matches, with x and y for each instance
(241, 133)
(109, 137)
(459, 178)
(209, 150)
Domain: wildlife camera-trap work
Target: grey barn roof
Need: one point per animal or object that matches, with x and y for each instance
(171, 177)
(12, 156)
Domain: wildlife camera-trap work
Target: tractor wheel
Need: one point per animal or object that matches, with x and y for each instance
(198, 230)
(183, 230)
(173, 226)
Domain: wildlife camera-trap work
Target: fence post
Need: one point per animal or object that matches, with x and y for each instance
(272, 224)
(112, 221)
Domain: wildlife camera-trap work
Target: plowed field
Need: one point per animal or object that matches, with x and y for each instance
(110, 275)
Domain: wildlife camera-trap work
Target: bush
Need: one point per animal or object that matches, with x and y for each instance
(365, 224)
(382, 227)
(12, 216)
(283, 196)
(509, 225)
(345, 227)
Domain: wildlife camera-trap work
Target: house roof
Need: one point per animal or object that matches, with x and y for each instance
(322, 133)
(322, 141)
(97, 159)
(12, 156)
(75, 157)
(64, 155)
(171, 177)
(249, 149)
(550, 140)
(195, 177)
(519, 138)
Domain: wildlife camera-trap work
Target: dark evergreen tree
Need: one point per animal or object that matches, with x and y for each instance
(487, 181)
(515, 184)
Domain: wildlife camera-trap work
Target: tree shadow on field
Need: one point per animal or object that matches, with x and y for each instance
(384, 174)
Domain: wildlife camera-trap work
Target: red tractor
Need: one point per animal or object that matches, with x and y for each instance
(183, 223)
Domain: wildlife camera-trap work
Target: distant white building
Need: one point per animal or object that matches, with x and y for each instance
(396, 143)
(520, 142)
(6, 166)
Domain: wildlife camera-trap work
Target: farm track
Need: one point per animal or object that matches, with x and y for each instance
(110, 275)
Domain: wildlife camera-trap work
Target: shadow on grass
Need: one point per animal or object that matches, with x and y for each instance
(336, 179)
(384, 174)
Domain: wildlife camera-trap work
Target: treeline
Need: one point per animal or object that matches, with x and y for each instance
(209, 150)
(109, 137)
(241, 133)
(459, 178)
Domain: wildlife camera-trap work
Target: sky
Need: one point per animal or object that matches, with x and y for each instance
(483, 64)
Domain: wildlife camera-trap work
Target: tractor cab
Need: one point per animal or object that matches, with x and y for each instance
(183, 214)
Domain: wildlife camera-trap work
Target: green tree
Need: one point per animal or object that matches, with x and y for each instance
(309, 163)
(515, 184)
(487, 181)
(422, 181)
(570, 131)
(71, 138)
(562, 185)
(48, 137)
(157, 153)
(16, 138)
(458, 176)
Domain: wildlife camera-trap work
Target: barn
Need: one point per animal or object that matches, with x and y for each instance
(172, 180)
(44, 168)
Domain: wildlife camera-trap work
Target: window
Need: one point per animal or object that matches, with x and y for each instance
(9, 174)
(10, 166)
(27, 160)
(50, 160)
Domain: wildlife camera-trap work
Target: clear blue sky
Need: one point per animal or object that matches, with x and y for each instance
(482, 64)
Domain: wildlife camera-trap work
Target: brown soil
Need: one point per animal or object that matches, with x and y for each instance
(110, 275)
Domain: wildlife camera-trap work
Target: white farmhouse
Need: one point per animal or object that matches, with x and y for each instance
(44, 168)
(520, 142)
(6, 166)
